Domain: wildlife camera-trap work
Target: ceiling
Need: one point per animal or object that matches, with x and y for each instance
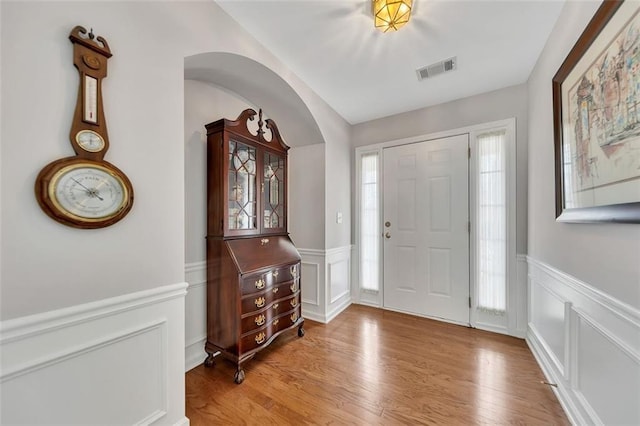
(365, 74)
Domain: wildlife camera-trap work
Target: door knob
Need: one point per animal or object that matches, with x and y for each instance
(387, 235)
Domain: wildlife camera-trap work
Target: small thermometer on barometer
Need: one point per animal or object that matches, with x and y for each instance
(90, 99)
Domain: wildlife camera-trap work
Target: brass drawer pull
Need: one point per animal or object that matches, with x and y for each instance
(276, 321)
(260, 319)
(260, 338)
(275, 290)
(294, 271)
(275, 274)
(275, 307)
(293, 288)
(259, 302)
(264, 241)
(294, 317)
(294, 303)
(260, 284)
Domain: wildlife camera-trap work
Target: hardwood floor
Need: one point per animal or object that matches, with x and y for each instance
(375, 367)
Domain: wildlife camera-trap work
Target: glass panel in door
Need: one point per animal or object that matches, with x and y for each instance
(273, 191)
(242, 187)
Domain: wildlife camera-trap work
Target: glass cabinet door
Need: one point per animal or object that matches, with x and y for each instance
(273, 191)
(242, 187)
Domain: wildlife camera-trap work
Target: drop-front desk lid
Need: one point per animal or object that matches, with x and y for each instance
(253, 254)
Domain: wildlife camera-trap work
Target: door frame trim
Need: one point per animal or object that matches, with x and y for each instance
(506, 324)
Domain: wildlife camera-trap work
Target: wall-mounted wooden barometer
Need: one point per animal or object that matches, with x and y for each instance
(85, 191)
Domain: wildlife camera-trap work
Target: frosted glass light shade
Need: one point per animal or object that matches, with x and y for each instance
(391, 14)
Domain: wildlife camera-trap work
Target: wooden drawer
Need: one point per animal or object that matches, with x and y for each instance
(270, 300)
(261, 336)
(257, 319)
(255, 283)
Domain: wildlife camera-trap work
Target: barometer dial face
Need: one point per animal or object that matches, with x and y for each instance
(88, 192)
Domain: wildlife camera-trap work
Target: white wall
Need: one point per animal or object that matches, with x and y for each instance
(605, 255)
(203, 103)
(48, 267)
(484, 108)
(307, 196)
(584, 279)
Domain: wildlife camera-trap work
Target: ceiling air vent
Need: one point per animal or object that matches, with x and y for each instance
(437, 68)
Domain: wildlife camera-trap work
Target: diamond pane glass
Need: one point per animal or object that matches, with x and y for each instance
(242, 186)
(273, 191)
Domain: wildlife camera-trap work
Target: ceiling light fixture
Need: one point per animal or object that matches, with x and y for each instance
(391, 14)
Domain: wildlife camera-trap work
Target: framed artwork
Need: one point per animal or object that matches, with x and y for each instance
(596, 120)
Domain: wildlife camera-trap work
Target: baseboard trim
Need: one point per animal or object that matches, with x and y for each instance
(338, 309)
(195, 354)
(520, 334)
(547, 365)
(183, 422)
(314, 317)
(152, 418)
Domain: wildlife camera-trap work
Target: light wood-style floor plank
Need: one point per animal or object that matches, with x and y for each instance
(375, 367)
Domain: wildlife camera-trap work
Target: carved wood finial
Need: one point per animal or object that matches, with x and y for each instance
(260, 123)
(89, 40)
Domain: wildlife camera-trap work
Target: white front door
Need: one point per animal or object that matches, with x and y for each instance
(426, 228)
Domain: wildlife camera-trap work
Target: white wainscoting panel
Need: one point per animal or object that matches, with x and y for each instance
(108, 362)
(326, 282)
(521, 316)
(195, 314)
(339, 281)
(588, 343)
(312, 284)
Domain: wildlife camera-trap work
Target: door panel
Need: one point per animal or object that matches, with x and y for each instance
(426, 243)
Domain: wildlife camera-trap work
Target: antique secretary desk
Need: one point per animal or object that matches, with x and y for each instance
(253, 268)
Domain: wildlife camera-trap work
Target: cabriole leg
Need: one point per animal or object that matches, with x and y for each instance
(239, 376)
(209, 361)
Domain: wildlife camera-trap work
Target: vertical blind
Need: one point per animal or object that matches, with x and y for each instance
(492, 222)
(369, 222)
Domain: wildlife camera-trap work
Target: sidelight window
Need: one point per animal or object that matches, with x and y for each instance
(491, 229)
(369, 221)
